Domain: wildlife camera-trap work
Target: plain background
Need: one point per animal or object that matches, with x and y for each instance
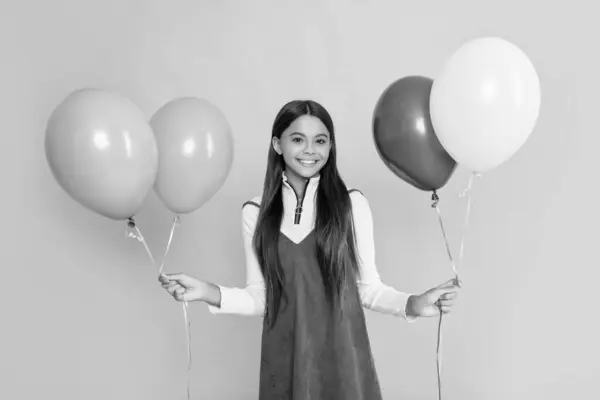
(83, 316)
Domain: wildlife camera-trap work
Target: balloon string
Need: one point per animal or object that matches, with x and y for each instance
(439, 355)
(189, 346)
(435, 198)
(435, 205)
(176, 221)
(467, 193)
(134, 232)
(162, 264)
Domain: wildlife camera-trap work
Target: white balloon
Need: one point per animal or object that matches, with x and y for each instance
(485, 103)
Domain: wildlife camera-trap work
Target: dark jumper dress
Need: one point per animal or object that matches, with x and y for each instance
(312, 353)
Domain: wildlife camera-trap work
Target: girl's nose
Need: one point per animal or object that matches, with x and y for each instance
(309, 150)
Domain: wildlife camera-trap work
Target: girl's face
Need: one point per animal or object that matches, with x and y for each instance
(305, 147)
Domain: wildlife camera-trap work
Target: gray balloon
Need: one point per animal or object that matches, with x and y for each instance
(404, 136)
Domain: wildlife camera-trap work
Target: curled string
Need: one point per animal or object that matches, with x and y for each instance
(134, 233)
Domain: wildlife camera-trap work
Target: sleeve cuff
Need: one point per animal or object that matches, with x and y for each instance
(248, 301)
(220, 310)
(403, 310)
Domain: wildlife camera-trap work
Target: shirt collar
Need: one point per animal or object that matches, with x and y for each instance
(310, 189)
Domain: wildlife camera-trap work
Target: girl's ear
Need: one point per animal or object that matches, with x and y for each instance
(277, 145)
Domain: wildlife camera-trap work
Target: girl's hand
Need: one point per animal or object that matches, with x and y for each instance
(182, 287)
(438, 299)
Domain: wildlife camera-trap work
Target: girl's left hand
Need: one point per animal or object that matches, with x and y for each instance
(438, 299)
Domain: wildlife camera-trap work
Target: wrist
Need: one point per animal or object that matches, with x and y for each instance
(210, 294)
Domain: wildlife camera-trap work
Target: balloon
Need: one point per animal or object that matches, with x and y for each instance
(195, 153)
(485, 103)
(102, 152)
(404, 137)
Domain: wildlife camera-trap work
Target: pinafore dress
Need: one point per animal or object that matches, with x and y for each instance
(312, 353)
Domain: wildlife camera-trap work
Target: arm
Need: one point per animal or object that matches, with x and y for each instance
(374, 294)
(250, 300)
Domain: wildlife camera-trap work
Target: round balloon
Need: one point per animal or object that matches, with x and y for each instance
(195, 153)
(102, 152)
(404, 136)
(485, 103)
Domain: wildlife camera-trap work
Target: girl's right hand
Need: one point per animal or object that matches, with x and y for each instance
(182, 287)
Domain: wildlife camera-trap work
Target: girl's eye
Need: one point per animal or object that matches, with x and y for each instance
(322, 141)
(297, 140)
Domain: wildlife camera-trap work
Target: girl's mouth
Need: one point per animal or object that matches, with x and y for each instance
(308, 163)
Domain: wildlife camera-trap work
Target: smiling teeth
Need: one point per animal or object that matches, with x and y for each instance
(307, 162)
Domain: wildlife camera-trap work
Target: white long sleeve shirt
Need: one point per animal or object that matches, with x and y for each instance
(374, 294)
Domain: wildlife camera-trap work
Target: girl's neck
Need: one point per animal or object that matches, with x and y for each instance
(298, 183)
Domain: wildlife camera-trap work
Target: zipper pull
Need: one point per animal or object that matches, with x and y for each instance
(297, 215)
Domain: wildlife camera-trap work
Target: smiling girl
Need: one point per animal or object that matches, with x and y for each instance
(310, 270)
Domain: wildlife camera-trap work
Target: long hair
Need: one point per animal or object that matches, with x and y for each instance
(334, 227)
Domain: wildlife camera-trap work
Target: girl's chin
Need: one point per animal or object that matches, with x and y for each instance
(304, 172)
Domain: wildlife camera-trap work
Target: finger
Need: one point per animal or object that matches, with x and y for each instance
(174, 277)
(449, 295)
(181, 279)
(447, 285)
(437, 294)
(174, 289)
(179, 296)
(447, 303)
(445, 309)
(169, 284)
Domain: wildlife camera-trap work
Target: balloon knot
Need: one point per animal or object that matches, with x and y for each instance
(131, 222)
(435, 198)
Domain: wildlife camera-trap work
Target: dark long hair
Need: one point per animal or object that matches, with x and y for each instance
(334, 227)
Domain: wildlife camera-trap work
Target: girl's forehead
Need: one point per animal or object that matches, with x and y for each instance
(308, 126)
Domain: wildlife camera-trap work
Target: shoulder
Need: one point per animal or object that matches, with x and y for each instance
(357, 197)
(250, 210)
(252, 203)
(360, 204)
(355, 192)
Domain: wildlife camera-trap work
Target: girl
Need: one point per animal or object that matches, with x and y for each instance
(310, 270)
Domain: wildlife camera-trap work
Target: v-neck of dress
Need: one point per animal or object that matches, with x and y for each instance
(301, 241)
